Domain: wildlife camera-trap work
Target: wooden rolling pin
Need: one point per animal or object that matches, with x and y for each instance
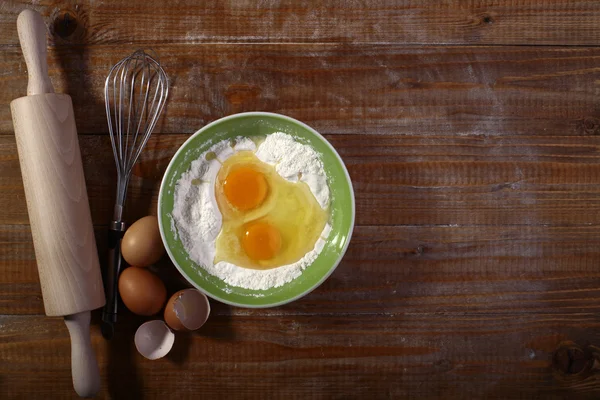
(57, 203)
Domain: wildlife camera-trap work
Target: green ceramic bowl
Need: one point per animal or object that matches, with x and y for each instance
(342, 209)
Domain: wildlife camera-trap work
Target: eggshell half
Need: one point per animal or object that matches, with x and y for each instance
(154, 339)
(187, 310)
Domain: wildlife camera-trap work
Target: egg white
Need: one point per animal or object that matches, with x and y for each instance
(205, 207)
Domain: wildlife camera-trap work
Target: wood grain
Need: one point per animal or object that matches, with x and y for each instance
(54, 184)
(405, 180)
(57, 204)
(394, 89)
(471, 132)
(33, 39)
(410, 269)
(85, 373)
(420, 22)
(322, 357)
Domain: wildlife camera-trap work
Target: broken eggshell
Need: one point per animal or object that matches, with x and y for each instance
(187, 310)
(154, 339)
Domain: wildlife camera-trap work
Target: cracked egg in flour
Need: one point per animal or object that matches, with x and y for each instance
(254, 212)
(268, 221)
(193, 208)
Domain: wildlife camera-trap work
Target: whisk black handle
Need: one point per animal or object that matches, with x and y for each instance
(111, 278)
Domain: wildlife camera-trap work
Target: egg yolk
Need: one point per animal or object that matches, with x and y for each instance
(267, 221)
(245, 188)
(261, 241)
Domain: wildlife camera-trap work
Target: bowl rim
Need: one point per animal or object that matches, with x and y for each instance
(257, 114)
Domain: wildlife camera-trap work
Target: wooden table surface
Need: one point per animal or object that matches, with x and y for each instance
(471, 130)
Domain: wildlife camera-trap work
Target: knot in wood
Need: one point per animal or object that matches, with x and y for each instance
(420, 250)
(570, 359)
(588, 126)
(70, 25)
(443, 365)
(487, 19)
(65, 24)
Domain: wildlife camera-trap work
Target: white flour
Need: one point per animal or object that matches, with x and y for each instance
(198, 221)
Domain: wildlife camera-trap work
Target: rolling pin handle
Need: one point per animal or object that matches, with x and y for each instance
(32, 35)
(84, 368)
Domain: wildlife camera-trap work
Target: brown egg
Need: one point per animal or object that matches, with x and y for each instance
(142, 245)
(142, 291)
(187, 310)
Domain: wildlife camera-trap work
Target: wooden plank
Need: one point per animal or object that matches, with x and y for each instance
(344, 88)
(473, 271)
(406, 21)
(398, 180)
(401, 356)
(402, 269)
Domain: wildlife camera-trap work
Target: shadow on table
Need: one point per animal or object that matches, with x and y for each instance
(69, 35)
(217, 327)
(123, 380)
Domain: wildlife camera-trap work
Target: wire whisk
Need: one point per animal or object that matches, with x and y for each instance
(135, 93)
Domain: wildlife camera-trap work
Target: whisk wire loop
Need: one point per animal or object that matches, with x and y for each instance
(135, 93)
